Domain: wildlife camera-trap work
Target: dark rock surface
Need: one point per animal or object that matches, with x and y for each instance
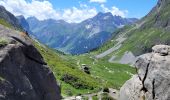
(85, 68)
(152, 81)
(23, 73)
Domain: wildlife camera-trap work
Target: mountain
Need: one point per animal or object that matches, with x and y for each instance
(77, 38)
(8, 19)
(23, 22)
(23, 70)
(134, 40)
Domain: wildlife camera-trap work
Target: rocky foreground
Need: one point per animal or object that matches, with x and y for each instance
(152, 81)
(23, 73)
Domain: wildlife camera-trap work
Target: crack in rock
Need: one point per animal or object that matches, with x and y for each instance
(153, 88)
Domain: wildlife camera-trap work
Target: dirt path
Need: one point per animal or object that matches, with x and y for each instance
(112, 93)
(116, 47)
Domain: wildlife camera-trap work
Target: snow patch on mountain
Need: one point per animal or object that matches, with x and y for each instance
(106, 17)
(94, 31)
(88, 26)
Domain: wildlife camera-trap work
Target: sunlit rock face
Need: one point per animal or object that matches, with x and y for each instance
(152, 81)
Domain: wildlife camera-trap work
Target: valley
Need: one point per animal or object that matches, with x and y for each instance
(102, 74)
(77, 38)
(105, 57)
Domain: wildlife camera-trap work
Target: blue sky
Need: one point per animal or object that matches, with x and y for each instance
(136, 8)
(77, 10)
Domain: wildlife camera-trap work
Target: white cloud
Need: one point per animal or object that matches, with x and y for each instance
(115, 11)
(98, 1)
(77, 15)
(43, 9)
(40, 9)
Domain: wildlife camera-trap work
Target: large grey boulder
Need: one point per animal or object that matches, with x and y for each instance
(152, 81)
(23, 73)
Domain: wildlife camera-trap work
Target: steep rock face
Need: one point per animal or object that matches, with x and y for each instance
(152, 81)
(23, 73)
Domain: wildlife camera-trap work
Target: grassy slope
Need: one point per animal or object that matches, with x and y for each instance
(141, 39)
(61, 67)
(3, 22)
(103, 74)
(110, 74)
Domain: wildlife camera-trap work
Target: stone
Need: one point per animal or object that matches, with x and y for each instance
(23, 73)
(152, 81)
(161, 49)
(85, 68)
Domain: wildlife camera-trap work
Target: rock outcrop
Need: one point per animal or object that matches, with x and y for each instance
(152, 81)
(23, 73)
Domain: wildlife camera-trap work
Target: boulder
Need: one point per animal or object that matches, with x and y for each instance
(152, 81)
(161, 49)
(23, 73)
(85, 68)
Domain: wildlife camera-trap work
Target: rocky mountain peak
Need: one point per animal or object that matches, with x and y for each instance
(23, 22)
(152, 79)
(104, 14)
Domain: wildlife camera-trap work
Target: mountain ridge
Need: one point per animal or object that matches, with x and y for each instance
(69, 37)
(138, 38)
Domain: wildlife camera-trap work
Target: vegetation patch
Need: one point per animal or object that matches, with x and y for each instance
(3, 22)
(73, 80)
(105, 96)
(109, 74)
(3, 42)
(95, 97)
(1, 78)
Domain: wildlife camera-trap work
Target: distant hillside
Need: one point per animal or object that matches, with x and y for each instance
(8, 19)
(22, 21)
(137, 39)
(77, 38)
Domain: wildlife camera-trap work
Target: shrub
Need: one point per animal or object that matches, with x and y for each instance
(75, 82)
(68, 92)
(3, 22)
(105, 96)
(106, 89)
(94, 97)
(3, 42)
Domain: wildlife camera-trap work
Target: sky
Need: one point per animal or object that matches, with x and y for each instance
(75, 11)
